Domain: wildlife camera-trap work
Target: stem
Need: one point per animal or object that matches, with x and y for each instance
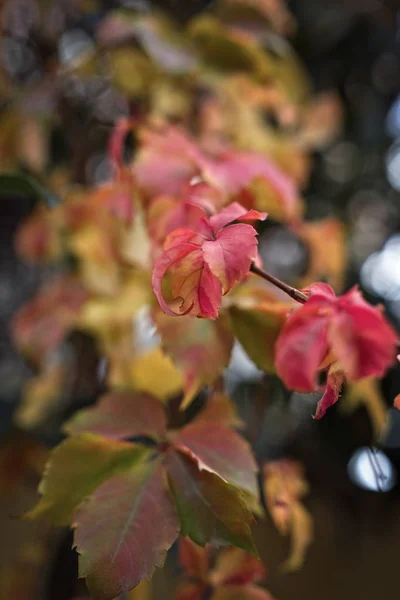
(289, 290)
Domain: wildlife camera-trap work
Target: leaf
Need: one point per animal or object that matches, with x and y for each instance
(201, 349)
(284, 487)
(38, 238)
(168, 381)
(221, 409)
(246, 592)
(18, 183)
(123, 531)
(219, 449)
(206, 263)
(257, 325)
(327, 252)
(233, 566)
(210, 510)
(346, 327)
(396, 402)
(75, 469)
(119, 415)
(43, 323)
(367, 392)
(194, 559)
(335, 380)
(39, 397)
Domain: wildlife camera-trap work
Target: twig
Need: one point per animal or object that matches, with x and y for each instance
(289, 290)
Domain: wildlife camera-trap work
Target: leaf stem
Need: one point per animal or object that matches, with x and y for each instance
(289, 290)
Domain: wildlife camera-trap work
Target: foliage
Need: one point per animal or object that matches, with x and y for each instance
(171, 236)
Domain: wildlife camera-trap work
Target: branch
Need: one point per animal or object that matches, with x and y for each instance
(289, 290)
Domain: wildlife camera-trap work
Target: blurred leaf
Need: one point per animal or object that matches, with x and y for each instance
(326, 240)
(75, 469)
(257, 317)
(131, 71)
(43, 323)
(247, 592)
(154, 373)
(367, 393)
(39, 396)
(284, 487)
(221, 409)
(200, 348)
(120, 415)
(18, 183)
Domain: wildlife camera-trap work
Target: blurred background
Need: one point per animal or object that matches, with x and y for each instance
(56, 113)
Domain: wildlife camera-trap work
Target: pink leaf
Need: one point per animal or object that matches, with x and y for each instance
(327, 329)
(206, 264)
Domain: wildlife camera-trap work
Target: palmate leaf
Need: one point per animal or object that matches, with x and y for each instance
(200, 348)
(210, 510)
(220, 450)
(124, 530)
(75, 469)
(121, 414)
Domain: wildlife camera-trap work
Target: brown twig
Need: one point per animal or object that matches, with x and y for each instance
(289, 290)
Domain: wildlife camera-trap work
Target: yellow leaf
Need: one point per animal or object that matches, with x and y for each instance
(367, 393)
(156, 374)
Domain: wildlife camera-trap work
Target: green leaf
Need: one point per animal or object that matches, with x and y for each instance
(19, 183)
(75, 469)
(121, 414)
(257, 329)
(123, 531)
(210, 509)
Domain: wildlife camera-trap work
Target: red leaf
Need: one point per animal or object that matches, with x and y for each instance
(210, 510)
(42, 324)
(194, 559)
(221, 450)
(345, 329)
(336, 379)
(123, 531)
(207, 264)
(119, 415)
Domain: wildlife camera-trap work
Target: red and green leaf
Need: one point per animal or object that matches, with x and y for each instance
(75, 469)
(121, 415)
(124, 530)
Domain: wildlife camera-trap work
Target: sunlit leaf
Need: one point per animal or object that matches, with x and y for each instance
(154, 373)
